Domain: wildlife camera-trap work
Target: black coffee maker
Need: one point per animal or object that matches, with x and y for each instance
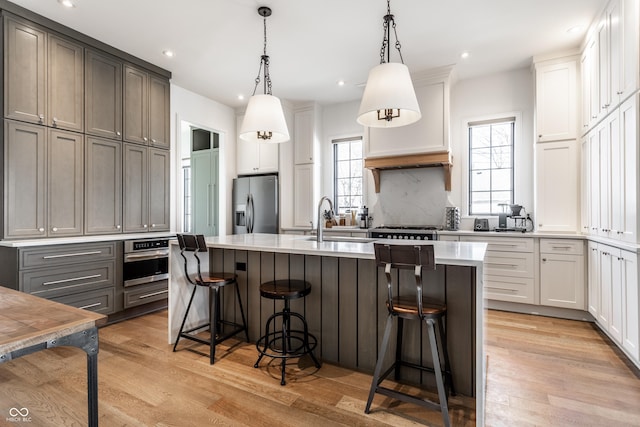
(363, 217)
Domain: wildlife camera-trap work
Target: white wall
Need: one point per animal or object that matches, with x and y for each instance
(203, 112)
(494, 95)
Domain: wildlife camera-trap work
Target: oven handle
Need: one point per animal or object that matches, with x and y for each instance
(146, 279)
(147, 255)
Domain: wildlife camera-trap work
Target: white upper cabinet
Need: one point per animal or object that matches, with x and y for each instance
(306, 140)
(610, 71)
(629, 47)
(255, 157)
(557, 186)
(427, 135)
(556, 103)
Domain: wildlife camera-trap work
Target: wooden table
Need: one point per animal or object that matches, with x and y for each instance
(29, 324)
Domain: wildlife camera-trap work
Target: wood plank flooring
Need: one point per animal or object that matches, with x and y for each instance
(541, 371)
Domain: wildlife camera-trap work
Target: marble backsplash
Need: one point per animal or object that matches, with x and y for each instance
(411, 197)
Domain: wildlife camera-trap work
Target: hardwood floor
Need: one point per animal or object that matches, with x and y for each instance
(541, 371)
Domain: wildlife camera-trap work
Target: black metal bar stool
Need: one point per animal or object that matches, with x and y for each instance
(214, 282)
(412, 307)
(287, 343)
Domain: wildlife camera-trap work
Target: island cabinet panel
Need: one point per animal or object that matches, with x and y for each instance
(367, 343)
(330, 310)
(346, 308)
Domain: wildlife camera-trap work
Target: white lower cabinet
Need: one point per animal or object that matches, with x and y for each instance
(562, 273)
(613, 295)
(509, 268)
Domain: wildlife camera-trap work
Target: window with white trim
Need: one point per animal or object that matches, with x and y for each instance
(347, 174)
(491, 178)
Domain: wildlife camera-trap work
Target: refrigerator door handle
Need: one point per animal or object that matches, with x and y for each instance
(249, 214)
(253, 212)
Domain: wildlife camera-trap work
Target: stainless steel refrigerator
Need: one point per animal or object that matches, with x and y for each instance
(255, 204)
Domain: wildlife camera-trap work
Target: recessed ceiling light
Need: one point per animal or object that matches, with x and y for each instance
(240, 97)
(67, 3)
(168, 53)
(574, 30)
(340, 82)
(464, 55)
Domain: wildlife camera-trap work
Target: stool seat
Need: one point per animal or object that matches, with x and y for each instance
(217, 278)
(406, 305)
(285, 289)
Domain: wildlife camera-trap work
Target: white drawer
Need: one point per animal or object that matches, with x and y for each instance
(512, 264)
(509, 244)
(514, 289)
(562, 246)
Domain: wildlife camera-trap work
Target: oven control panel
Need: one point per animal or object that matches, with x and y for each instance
(404, 236)
(145, 245)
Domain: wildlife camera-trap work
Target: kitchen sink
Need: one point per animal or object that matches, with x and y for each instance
(344, 239)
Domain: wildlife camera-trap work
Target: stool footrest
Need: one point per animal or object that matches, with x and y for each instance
(266, 345)
(219, 338)
(408, 398)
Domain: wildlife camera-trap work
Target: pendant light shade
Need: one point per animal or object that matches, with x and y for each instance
(389, 99)
(389, 91)
(264, 119)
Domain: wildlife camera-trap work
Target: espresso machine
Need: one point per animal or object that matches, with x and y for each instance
(514, 218)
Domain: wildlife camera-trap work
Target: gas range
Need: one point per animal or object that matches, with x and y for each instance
(406, 232)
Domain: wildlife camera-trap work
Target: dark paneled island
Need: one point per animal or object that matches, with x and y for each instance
(346, 308)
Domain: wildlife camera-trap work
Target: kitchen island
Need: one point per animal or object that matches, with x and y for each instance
(346, 308)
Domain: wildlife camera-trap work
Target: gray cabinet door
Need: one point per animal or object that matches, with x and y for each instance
(159, 102)
(159, 169)
(65, 161)
(65, 84)
(24, 71)
(103, 186)
(136, 105)
(135, 188)
(103, 95)
(24, 180)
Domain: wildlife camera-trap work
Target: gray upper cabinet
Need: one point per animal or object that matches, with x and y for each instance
(146, 108)
(25, 71)
(44, 181)
(136, 196)
(145, 189)
(159, 112)
(65, 84)
(159, 161)
(103, 95)
(24, 166)
(103, 186)
(65, 182)
(136, 105)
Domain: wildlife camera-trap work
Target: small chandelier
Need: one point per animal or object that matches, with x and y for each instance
(389, 99)
(264, 119)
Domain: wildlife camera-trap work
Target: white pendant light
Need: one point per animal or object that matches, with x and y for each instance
(264, 119)
(389, 99)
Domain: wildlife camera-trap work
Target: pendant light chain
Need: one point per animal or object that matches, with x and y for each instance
(264, 64)
(385, 50)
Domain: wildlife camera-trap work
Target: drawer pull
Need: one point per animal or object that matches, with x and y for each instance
(84, 307)
(502, 264)
(561, 247)
(73, 279)
(502, 289)
(152, 294)
(70, 255)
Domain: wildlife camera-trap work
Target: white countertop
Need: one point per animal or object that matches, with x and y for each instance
(538, 234)
(452, 253)
(85, 239)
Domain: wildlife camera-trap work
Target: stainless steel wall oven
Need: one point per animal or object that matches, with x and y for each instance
(146, 271)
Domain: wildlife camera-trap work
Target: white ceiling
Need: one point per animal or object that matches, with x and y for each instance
(313, 44)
